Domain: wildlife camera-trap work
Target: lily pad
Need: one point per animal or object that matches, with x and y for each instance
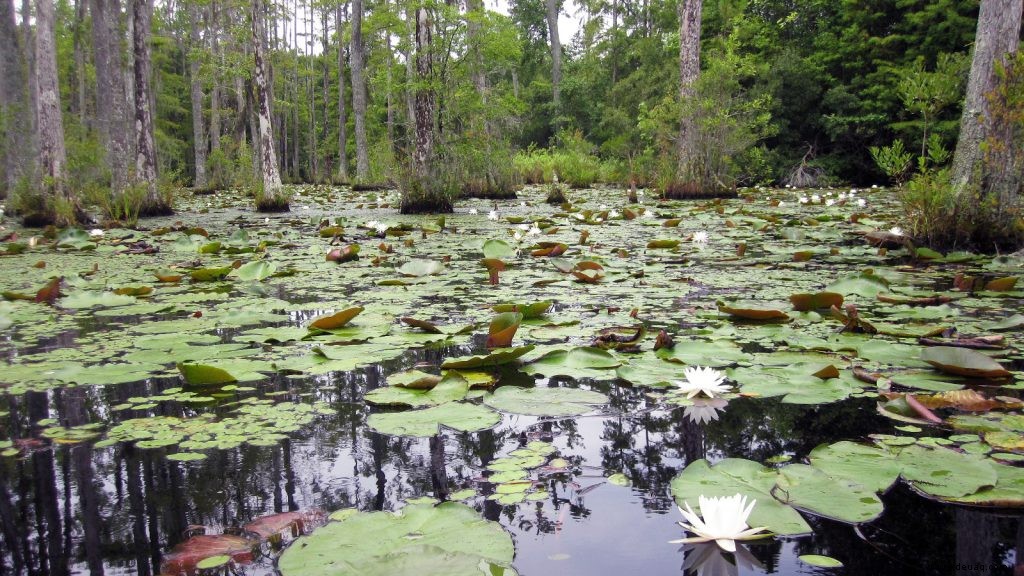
(545, 401)
(423, 423)
(495, 357)
(450, 538)
(963, 362)
(582, 362)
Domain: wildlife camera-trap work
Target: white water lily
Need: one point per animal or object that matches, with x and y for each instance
(815, 199)
(700, 237)
(474, 211)
(702, 380)
(492, 215)
(613, 214)
(829, 202)
(724, 522)
(781, 203)
(896, 230)
(524, 227)
(517, 236)
(861, 202)
(381, 227)
(96, 233)
(803, 199)
(534, 231)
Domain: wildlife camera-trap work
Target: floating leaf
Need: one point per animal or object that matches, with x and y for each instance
(820, 561)
(963, 362)
(210, 274)
(449, 538)
(419, 268)
(498, 249)
(423, 423)
(495, 357)
(816, 301)
(544, 401)
(752, 311)
(256, 270)
(581, 362)
(335, 321)
(203, 375)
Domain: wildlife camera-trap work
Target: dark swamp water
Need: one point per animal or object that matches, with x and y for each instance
(76, 498)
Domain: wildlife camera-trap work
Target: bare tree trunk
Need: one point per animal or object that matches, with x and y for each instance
(215, 90)
(359, 92)
(110, 89)
(342, 116)
(14, 102)
(556, 59)
(154, 203)
(424, 97)
(998, 35)
(196, 92)
(271, 197)
(80, 100)
(689, 70)
(52, 157)
(410, 78)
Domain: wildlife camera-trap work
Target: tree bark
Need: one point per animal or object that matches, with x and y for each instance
(215, 90)
(14, 102)
(556, 58)
(271, 197)
(689, 70)
(52, 157)
(80, 99)
(475, 13)
(145, 144)
(111, 106)
(342, 116)
(998, 34)
(424, 97)
(359, 92)
(199, 143)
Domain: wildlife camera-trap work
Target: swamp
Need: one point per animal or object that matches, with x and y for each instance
(511, 287)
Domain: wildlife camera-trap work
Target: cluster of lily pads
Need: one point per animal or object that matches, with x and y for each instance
(808, 303)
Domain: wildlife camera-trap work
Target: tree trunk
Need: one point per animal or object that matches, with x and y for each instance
(556, 59)
(424, 97)
(61, 206)
(997, 36)
(199, 143)
(111, 110)
(410, 80)
(14, 103)
(342, 116)
(689, 70)
(359, 92)
(215, 90)
(154, 203)
(80, 99)
(423, 193)
(475, 15)
(271, 197)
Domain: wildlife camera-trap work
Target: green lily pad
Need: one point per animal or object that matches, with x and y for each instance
(495, 357)
(736, 475)
(544, 401)
(450, 538)
(204, 375)
(256, 270)
(419, 268)
(963, 362)
(582, 362)
(423, 423)
(820, 561)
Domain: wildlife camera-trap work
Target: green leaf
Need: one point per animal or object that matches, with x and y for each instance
(544, 401)
(585, 362)
(495, 357)
(735, 475)
(423, 423)
(256, 270)
(963, 362)
(821, 561)
(450, 538)
(418, 268)
(204, 375)
(498, 249)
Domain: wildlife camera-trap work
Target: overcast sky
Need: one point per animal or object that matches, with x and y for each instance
(568, 20)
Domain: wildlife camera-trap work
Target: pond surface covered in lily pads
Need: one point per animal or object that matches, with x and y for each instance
(343, 390)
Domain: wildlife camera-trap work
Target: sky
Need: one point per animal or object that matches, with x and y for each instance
(568, 21)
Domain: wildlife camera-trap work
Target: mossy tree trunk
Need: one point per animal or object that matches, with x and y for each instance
(199, 143)
(154, 203)
(112, 113)
(14, 103)
(342, 112)
(357, 56)
(58, 205)
(424, 193)
(689, 12)
(271, 196)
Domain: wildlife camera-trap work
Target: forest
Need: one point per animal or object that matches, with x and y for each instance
(502, 287)
(451, 99)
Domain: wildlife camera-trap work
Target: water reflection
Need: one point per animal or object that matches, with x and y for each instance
(71, 509)
(708, 559)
